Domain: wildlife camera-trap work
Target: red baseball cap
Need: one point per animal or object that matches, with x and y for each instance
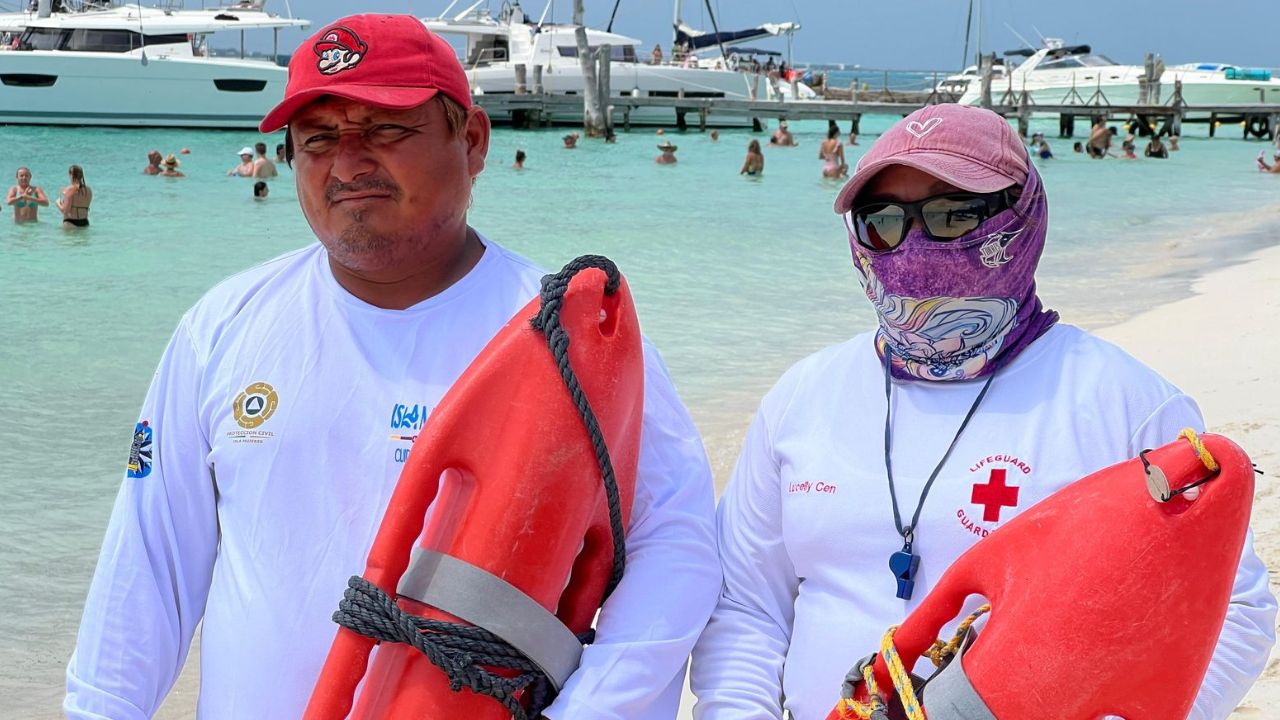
(388, 61)
(971, 148)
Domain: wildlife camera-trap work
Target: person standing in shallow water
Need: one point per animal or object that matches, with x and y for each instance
(668, 156)
(154, 159)
(75, 198)
(753, 165)
(946, 219)
(26, 199)
(393, 302)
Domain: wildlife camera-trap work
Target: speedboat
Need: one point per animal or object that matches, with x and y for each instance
(494, 46)
(954, 86)
(1058, 74)
(96, 63)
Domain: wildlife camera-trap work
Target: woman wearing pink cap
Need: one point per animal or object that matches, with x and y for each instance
(872, 465)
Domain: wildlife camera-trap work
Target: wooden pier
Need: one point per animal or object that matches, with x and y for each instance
(535, 110)
(531, 107)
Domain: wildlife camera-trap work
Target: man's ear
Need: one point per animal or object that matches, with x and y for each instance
(477, 136)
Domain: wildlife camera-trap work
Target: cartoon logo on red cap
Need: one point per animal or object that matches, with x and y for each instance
(339, 49)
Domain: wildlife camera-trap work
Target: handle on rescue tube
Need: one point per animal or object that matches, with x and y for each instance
(348, 659)
(923, 626)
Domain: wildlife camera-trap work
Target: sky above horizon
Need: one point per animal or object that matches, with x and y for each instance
(908, 34)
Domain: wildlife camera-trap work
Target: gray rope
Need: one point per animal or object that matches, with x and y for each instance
(461, 650)
(548, 321)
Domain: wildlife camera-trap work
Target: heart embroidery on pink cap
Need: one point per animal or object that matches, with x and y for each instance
(920, 129)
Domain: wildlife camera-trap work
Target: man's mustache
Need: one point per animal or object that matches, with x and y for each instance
(359, 186)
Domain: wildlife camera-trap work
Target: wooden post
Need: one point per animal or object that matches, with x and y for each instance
(985, 64)
(605, 76)
(702, 118)
(537, 79)
(1273, 120)
(521, 87)
(592, 113)
(853, 91)
(755, 86)
(1024, 116)
(1066, 125)
(855, 123)
(626, 119)
(795, 87)
(1213, 124)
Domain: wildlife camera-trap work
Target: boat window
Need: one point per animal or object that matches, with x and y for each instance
(618, 53)
(43, 39)
(28, 79)
(487, 49)
(1066, 63)
(1096, 60)
(115, 41)
(239, 85)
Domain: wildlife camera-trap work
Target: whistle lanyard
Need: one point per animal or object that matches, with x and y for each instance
(905, 562)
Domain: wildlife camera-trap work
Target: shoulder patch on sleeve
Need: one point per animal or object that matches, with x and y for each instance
(140, 452)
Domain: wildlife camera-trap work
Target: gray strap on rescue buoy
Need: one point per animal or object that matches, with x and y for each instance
(949, 694)
(486, 600)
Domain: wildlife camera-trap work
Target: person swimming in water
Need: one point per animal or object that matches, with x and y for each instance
(171, 167)
(753, 165)
(75, 199)
(26, 199)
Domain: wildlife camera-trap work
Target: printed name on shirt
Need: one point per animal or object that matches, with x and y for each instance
(139, 465)
(808, 487)
(251, 408)
(992, 493)
(406, 421)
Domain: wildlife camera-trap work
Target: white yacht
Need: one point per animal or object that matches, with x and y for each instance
(97, 63)
(1059, 74)
(493, 46)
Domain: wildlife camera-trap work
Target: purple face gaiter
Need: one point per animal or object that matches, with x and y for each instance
(962, 309)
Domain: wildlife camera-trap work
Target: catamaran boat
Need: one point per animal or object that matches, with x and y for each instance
(494, 46)
(1059, 74)
(96, 63)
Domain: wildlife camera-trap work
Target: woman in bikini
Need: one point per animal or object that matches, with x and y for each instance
(25, 198)
(753, 166)
(831, 153)
(75, 199)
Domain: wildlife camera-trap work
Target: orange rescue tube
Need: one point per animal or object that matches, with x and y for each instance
(522, 498)
(1105, 600)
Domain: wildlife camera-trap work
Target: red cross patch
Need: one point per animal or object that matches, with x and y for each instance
(994, 495)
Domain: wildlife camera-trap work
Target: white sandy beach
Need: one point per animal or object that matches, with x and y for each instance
(1222, 353)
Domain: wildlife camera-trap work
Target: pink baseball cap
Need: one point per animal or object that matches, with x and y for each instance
(387, 61)
(971, 148)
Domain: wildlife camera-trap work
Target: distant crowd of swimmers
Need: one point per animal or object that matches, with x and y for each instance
(73, 200)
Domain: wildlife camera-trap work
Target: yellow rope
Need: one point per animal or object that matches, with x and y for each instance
(1202, 452)
(849, 708)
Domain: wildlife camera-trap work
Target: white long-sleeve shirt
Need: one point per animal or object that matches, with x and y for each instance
(806, 527)
(277, 425)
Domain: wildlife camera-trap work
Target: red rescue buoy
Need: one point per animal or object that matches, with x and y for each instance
(1107, 598)
(520, 523)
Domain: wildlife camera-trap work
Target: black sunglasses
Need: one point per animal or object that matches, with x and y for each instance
(881, 225)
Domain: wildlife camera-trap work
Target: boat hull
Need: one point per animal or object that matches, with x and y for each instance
(74, 88)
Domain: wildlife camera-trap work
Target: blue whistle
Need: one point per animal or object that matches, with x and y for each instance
(904, 564)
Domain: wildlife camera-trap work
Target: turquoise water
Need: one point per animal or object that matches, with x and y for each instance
(735, 279)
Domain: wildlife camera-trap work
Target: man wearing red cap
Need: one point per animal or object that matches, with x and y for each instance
(873, 464)
(287, 401)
